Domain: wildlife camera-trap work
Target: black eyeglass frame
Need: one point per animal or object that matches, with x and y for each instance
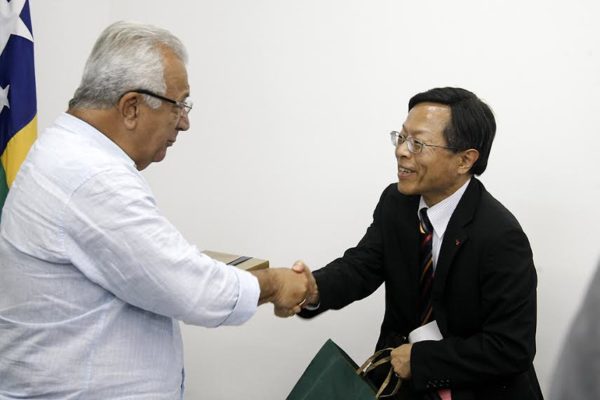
(395, 136)
(184, 106)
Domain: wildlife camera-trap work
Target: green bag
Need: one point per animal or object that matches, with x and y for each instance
(332, 375)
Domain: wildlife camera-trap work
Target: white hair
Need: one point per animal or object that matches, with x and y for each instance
(126, 56)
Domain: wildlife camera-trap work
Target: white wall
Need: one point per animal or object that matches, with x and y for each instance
(288, 150)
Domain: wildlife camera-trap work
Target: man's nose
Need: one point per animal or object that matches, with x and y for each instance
(183, 124)
(402, 150)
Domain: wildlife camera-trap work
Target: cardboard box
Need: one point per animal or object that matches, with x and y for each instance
(243, 262)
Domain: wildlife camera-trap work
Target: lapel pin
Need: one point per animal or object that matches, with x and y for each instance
(457, 242)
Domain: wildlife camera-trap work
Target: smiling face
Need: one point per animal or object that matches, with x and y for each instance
(435, 173)
(159, 127)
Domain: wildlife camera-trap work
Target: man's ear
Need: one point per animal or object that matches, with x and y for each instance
(129, 109)
(466, 160)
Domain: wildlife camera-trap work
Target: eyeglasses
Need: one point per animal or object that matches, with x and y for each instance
(414, 146)
(182, 105)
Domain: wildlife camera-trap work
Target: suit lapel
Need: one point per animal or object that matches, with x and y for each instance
(411, 240)
(455, 237)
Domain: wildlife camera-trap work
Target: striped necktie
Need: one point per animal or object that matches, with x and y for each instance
(426, 284)
(426, 268)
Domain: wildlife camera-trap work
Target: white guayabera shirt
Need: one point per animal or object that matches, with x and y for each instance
(93, 279)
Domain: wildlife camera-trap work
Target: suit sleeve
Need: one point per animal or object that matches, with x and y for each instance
(356, 274)
(505, 344)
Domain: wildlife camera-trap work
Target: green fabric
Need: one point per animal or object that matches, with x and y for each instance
(3, 188)
(331, 375)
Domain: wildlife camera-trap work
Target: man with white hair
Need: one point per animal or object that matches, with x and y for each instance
(94, 277)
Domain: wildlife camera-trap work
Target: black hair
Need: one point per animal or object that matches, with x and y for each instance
(472, 124)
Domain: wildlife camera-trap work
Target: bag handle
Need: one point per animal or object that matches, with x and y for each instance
(385, 384)
(366, 366)
(373, 362)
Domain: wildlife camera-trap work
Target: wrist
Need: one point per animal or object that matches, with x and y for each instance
(314, 300)
(267, 284)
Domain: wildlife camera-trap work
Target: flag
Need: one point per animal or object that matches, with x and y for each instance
(18, 111)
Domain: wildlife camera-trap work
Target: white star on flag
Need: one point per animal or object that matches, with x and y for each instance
(4, 97)
(10, 23)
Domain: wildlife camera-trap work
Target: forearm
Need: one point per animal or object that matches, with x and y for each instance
(267, 283)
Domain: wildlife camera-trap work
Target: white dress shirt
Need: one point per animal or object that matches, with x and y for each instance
(439, 216)
(94, 279)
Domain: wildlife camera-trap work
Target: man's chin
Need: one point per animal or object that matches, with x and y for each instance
(404, 190)
(158, 157)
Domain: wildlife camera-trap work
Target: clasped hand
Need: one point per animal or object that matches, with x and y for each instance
(294, 288)
(401, 361)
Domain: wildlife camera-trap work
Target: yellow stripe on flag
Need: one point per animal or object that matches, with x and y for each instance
(16, 150)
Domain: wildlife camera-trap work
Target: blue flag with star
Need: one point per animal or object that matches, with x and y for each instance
(18, 110)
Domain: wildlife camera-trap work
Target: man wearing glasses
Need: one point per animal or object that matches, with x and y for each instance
(455, 263)
(93, 278)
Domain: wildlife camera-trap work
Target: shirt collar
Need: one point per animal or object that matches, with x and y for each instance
(79, 126)
(440, 214)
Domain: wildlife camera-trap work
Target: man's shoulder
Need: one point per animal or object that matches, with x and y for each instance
(492, 213)
(65, 160)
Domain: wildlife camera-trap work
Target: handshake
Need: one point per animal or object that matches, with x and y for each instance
(289, 289)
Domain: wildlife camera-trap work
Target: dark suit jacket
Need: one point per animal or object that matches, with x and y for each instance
(484, 295)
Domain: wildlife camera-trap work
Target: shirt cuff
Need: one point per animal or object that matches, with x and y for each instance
(247, 303)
